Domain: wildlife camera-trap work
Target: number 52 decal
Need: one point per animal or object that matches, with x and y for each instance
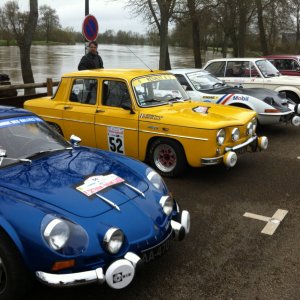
(116, 139)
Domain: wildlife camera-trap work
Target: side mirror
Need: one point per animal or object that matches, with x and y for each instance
(127, 106)
(75, 140)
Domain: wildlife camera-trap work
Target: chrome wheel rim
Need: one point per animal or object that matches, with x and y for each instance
(3, 277)
(165, 158)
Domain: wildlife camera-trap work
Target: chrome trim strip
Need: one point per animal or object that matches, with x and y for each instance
(175, 135)
(108, 202)
(212, 160)
(71, 279)
(161, 242)
(249, 141)
(135, 189)
(109, 125)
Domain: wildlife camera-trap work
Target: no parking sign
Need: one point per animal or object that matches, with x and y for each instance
(90, 28)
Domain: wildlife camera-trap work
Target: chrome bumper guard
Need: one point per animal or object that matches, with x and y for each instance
(235, 148)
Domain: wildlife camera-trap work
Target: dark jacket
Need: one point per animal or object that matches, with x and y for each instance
(90, 61)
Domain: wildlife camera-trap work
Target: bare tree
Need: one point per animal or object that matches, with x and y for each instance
(23, 26)
(48, 20)
(262, 32)
(160, 13)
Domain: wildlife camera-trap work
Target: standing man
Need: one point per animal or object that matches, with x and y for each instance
(92, 60)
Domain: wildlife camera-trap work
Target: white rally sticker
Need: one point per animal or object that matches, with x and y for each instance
(116, 139)
(200, 109)
(94, 184)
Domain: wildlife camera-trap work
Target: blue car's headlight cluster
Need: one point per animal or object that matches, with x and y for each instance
(64, 236)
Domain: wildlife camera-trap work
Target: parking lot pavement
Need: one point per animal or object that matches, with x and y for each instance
(226, 256)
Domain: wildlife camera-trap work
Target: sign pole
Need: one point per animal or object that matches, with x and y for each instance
(87, 11)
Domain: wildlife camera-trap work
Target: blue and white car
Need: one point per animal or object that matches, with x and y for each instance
(75, 215)
(271, 107)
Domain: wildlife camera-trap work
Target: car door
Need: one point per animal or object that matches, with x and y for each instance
(79, 111)
(116, 122)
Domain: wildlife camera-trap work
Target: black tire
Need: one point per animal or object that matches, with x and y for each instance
(56, 127)
(167, 157)
(15, 281)
(293, 97)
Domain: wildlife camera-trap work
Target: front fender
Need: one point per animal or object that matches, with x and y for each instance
(287, 88)
(242, 104)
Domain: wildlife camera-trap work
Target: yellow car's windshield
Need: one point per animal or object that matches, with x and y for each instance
(154, 90)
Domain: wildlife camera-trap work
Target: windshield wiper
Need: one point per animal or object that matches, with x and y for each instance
(152, 100)
(176, 99)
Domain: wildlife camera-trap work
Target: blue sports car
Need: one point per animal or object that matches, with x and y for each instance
(74, 215)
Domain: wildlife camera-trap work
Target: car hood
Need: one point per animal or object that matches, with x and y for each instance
(55, 180)
(197, 115)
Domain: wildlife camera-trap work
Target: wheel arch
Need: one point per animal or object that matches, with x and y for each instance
(11, 234)
(242, 105)
(290, 90)
(155, 138)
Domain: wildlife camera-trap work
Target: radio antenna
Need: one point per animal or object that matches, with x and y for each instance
(139, 59)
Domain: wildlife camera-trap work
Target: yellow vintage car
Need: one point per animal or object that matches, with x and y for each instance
(148, 115)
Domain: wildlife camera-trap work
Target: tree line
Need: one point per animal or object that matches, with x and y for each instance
(262, 26)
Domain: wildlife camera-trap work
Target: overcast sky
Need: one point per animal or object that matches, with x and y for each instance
(110, 14)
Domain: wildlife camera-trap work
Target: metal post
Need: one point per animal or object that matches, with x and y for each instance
(87, 12)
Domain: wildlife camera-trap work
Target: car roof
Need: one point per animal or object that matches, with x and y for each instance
(117, 73)
(238, 59)
(10, 112)
(188, 70)
(282, 56)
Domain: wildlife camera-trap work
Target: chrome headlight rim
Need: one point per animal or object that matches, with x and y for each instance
(57, 233)
(167, 204)
(235, 134)
(113, 240)
(155, 179)
(251, 127)
(221, 135)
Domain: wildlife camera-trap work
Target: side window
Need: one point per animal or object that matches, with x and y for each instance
(182, 80)
(84, 91)
(216, 68)
(236, 69)
(115, 93)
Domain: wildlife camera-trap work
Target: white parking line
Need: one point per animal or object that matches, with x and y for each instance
(272, 223)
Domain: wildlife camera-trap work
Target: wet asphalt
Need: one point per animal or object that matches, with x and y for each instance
(225, 256)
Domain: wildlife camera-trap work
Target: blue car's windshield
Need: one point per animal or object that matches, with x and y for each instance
(25, 136)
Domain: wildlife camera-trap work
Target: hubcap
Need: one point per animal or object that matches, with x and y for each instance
(2, 277)
(165, 158)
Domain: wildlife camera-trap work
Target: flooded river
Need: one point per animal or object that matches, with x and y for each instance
(53, 61)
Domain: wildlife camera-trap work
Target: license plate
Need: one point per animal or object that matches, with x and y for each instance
(157, 251)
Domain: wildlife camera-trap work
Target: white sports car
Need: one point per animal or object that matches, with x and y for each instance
(272, 107)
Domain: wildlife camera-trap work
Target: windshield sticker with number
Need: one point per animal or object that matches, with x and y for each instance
(151, 78)
(116, 139)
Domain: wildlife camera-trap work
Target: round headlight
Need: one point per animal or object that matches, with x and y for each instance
(167, 204)
(154, 178)
(57, 233)
(250, 128)
(221, 137)
(235, 134)
(113, 240)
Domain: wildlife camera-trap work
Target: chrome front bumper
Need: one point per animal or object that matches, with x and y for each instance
(253, 141)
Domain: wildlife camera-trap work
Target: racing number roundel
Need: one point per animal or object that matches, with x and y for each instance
(90, 28)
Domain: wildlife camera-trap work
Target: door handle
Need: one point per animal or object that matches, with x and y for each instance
(100, 110)
(68, 107)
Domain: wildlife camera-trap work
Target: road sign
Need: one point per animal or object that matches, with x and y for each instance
(90, 28)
